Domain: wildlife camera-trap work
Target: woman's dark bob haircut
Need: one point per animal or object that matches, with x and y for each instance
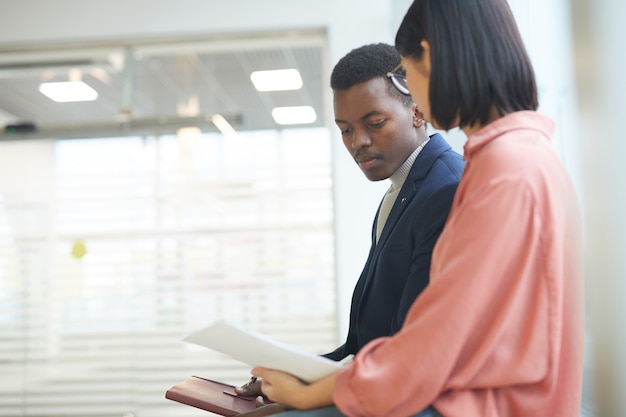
(478, 59)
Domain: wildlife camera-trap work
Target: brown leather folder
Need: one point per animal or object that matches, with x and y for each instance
(209, 395)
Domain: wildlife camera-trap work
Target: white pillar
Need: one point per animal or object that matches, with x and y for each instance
(599, 31)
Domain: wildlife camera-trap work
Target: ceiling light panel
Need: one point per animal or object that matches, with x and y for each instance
(223, 126)
(294, 115)
(277, 80)
(68, 91)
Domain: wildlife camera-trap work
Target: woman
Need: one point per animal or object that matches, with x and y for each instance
(499, 330)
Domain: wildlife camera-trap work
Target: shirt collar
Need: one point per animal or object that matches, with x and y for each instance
(518, 120)
(398, 177)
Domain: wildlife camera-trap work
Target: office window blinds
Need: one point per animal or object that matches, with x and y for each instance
(111, 250)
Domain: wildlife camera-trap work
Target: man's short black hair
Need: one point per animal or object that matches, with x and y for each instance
(478, 60)
(365, 63)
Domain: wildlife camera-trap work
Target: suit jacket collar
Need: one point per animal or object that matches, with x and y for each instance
(435, 146)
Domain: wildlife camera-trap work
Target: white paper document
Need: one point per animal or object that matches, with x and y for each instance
(256, 349)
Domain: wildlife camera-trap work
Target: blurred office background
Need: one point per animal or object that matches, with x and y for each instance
(132, 219)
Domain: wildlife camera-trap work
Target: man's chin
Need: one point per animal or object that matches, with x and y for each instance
(375, 177)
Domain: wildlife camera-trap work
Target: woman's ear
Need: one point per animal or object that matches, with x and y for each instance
(425, 60)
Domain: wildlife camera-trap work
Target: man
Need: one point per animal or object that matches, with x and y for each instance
(385, 134)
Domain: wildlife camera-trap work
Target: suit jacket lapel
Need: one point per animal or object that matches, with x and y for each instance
(409, 190)
(418, 172)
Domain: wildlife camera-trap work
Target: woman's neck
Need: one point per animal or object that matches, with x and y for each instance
(471, 129)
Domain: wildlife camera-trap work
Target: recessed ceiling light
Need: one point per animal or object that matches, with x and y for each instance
(294, 115)
(188, 133)
(222, 124)
(67, 91)
(276, 80)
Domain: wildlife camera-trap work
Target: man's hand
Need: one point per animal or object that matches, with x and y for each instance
(251, 388)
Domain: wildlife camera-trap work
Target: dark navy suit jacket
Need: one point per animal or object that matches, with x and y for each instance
(397, 268)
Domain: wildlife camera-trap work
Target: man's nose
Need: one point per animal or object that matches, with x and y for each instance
(361, 139)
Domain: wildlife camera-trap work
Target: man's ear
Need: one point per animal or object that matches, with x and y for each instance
(418, 117)
(417, 113)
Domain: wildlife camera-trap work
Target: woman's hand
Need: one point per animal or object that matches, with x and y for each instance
(281, 387)
(288, 390)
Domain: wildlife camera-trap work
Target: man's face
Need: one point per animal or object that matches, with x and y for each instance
(376, 127)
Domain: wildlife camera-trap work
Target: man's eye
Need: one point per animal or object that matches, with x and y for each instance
(378, 124)
(345, 132)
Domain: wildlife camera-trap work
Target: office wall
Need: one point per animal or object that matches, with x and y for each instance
(72, 20)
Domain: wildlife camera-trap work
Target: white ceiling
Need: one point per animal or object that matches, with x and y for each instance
(153, 87)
